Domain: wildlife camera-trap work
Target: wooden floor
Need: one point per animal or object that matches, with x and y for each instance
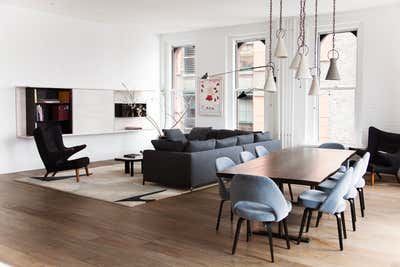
(42, 227)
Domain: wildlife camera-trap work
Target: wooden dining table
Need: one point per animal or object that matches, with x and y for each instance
(299, 165)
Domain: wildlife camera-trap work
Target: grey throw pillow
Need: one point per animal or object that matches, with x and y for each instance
(245, 139)
(199, 133)
(196, 146)
(226, 142)
(166, 145)
(262, 137)
(174, 135)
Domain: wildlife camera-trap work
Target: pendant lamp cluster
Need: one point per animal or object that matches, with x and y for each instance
(300, 62)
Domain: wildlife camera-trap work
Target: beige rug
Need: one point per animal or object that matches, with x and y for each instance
(109, 183)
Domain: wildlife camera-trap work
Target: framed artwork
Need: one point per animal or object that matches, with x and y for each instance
(210, 93)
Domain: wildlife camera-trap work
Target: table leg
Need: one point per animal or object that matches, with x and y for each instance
(132, 169)
(126, 167)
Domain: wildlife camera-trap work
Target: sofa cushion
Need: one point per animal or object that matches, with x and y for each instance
(261, 137)
(245, 139)
(175, 135)
(196, 146)
(221, 134)
(167, 145)
(199, 133)
(226, 142)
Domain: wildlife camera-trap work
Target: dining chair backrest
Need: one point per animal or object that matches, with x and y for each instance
(335, 197)
(222, 164)
(357, 171)
(246, 156)
(366, 158)
(332, 146)
(261, 151)
(259, 189)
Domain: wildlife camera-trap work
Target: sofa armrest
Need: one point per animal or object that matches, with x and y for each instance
(167, 168)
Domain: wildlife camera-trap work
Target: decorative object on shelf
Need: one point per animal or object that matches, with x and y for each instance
(333, 54)
(132, 110)
(303, 71)
(210, 93)
(314, 89)
(280, 51)
(270, 85)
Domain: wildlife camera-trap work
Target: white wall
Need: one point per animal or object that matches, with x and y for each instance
(378, 91)
(40, 49)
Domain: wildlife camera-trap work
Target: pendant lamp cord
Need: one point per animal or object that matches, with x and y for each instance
(316, 37)
(280, 15)
(270, 32)
(334, 25)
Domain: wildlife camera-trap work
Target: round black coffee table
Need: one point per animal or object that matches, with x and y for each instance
(129, 163)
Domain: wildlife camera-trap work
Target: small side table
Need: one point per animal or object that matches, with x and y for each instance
(129, 164)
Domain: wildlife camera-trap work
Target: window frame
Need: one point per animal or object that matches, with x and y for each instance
(324, 30)
(236, 63)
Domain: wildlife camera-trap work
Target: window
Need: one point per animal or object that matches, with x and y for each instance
(250, 107)
(337, 98)
(183, 96)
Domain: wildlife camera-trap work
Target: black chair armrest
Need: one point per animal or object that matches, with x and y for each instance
(69, 151)
(393, 159)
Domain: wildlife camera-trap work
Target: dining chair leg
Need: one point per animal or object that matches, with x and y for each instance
(269, 230)
(221, 204)
(361, 196)
(237, 234)
(280, 229)
(343, 225)
(46, 174)
(87, 171)
(248, 235)
(286, 233)
(231, 214)
(339, 227)
(308, 220)
(318, 218)
(303, 221)
(353, 213)
(54, 174)
(290, 192)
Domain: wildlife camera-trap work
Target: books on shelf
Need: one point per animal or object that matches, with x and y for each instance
(48, 101)
(39, 113)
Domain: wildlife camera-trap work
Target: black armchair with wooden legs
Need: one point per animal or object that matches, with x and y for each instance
(55, 155)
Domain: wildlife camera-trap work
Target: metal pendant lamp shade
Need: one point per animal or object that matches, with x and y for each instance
(295, 62)
(270, 85)
(333, 72)
(303, 71)
(314, 89)
(280, 51)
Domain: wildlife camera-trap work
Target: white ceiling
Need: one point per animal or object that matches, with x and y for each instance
(180, 15)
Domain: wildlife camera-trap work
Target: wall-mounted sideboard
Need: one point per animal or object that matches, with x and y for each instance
(81, 111)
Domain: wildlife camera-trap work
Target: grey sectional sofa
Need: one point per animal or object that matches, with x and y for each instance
(193, 169)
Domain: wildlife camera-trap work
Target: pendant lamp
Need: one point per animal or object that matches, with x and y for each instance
(303, 71)
(280, 50)
(270, 85)
(296, 60)
(314, 89)
(333, 54)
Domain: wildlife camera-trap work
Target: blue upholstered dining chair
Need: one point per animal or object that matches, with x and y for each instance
(361, 182)
(258, 198)
(222, 164)
(332, 146)
(261, 151)
(330, 203)
(246, 156)
(329, 185)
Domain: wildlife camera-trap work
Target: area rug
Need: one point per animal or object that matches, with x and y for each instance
(108, 183)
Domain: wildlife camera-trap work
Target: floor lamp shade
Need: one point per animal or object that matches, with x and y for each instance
(270, 85)
(333, 73)
(303, 71)
(314, 89)
(280, 51)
